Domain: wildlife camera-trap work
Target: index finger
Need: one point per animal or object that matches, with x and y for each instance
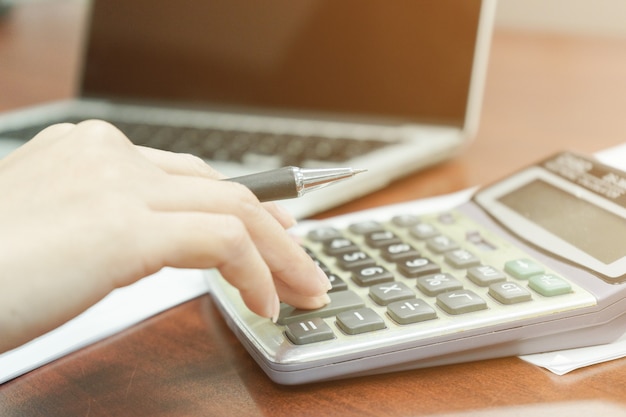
(191, 165)
(298, 280)
(179, 163)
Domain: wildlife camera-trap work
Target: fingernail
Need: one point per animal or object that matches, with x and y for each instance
(326, 299)
(323, 278)
(275, 308)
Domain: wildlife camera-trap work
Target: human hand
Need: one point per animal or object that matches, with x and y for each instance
(84, 211)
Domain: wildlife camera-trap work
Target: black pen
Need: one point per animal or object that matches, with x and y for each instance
(292, 182)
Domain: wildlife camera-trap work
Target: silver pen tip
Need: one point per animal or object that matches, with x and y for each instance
(358, 171)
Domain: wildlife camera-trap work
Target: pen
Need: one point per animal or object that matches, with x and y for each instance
(292, 182)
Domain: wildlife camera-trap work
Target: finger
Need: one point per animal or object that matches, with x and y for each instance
(191, 165)
(179, 163)
(100, 130)
(43, 138)
(282, 215)
(54, 131)
(299, 281)
(198, 240)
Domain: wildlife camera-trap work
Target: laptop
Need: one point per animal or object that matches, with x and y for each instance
(391, 87)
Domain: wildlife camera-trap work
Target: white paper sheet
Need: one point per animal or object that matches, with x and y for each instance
(151, 295)
(116, 312)
(564, 361)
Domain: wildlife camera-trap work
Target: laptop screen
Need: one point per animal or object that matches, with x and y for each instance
(400, 60)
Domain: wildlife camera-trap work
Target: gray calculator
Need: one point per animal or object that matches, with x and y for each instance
(532, 263)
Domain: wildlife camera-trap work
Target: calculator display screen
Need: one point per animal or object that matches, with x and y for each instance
(596, 231)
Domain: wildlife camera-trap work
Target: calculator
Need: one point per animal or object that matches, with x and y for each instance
(532, 263)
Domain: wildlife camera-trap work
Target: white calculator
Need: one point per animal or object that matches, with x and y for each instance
(532, 263)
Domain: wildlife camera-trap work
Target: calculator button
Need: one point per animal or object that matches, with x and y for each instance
(446, 218)
(437, 283)
(440, 244)
(381, 238)
(405, 220)
(338, 245)
(417, 267)
(309, 331)
(549, 285)
(337, 283)
(371, 275)
(323, 234)
(356, 259)
(362, 228)
(360, 321)
(509, 292)
(411, 311)
(322, 265)
(523, 268)
(485, 275)
(423, 231)
(398, 252)
(387, 293)
(475, 238)
(461, 259)
(460, 302)
(339, 301)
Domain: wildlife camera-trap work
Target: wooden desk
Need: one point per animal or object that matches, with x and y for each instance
(544, 93)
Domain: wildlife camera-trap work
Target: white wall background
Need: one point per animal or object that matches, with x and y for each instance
(594, 17)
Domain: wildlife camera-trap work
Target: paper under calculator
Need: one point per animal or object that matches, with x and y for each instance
(532, 263)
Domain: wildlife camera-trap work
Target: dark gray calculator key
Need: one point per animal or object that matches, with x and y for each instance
(339, 245)
(417, 267)
(423, 231)
(411, 311)
(337, 283)
(441, 244)
(309, 331)
(371, 275)
(390, 292)
(339, 301)
(398, 251)
(322, 265)
(405, 220)
(356, 259)
(362, 228)
(461, 258)
(434, 284)
(509, 292)
(381, 238)
(460, 302)
(485, 275)
(360, 321)
(323, 234)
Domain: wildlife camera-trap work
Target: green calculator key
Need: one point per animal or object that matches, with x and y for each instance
(523, 268)
(549, 285)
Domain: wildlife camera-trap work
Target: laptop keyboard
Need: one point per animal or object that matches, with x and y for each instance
(233, 145)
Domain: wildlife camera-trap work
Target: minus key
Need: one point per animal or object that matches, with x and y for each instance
(339, 301)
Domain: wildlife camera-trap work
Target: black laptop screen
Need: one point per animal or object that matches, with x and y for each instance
(399, 59)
